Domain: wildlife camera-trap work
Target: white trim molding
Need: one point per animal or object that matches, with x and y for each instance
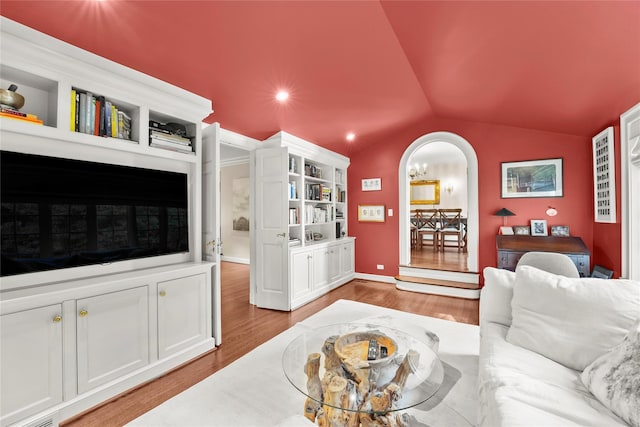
(472, 194)
(630, 160)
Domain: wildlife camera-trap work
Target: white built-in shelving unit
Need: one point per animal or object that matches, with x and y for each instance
(67, 335)
(303, 246)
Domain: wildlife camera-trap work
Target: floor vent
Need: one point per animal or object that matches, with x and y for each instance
(50, 420)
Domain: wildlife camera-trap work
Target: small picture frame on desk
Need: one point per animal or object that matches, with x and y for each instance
(506, 231)
(560, 230)
(521, 230)
(539, 227)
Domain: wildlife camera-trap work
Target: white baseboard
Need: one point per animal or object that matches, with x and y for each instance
(376, 277)
(235, 260)
(438, 290)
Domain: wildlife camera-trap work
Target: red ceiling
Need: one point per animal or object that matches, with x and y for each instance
(370, 66)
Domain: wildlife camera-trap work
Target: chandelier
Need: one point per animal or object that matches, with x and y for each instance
(418, 172)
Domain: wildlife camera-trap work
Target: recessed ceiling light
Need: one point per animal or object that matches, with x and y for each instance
(282, 95)
(351, 136)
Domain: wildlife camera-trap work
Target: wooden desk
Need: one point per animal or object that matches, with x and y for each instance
(511, 248)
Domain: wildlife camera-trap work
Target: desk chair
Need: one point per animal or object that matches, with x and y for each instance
(551, 262)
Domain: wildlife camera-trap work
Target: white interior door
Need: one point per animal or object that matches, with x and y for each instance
(271, 219)
(211, 240)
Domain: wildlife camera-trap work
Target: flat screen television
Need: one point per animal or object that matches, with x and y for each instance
(61, 213)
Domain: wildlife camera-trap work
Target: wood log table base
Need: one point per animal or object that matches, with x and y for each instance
(348, 395)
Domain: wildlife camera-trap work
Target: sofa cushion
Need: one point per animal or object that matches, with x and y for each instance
(496, 295)
(614, 378)
(519, 387)
(571, 320)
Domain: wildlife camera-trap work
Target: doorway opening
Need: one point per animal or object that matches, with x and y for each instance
(452, 162)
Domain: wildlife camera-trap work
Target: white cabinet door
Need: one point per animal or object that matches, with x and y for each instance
(113, 336)
(181, 313)
(335, 262)
(30, 362)
(348, 262)
(272, 226)
(301, 269)
(320, 268)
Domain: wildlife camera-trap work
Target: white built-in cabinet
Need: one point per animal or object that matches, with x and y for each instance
(73, 338)
(302, 245)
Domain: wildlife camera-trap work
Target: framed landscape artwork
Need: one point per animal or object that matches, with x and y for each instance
(533, 178)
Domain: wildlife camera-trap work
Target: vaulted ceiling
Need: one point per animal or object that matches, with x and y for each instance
(369, 67)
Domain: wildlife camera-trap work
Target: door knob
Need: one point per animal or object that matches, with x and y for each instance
(83, 313)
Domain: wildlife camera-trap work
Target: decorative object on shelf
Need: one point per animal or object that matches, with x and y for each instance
(10, 98)
(604, 176)
(371, 213)
(521, 230)
(372, 184)
(504, 213)
(418, 172)
(424, 192)
(533, 178)
(560, 230)
(538, 227)
(506, 231)
(551, 211)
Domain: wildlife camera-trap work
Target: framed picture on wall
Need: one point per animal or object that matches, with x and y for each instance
(532, 178)
(604, 176)
(371, 213)
(372, 184)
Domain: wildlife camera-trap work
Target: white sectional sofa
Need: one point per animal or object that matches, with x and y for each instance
(558, 351)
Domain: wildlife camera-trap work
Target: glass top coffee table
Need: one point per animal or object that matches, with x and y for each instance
(359, 374)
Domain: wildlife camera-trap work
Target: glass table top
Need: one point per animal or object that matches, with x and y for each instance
(362, 368)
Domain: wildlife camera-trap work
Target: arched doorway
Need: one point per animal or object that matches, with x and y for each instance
(472, 197)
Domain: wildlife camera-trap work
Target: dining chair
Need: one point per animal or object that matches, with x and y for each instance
(451, 225)
(429, 227)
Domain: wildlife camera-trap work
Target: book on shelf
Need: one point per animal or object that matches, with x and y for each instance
(293, 192)
(171, 146)
(294, 242)
(294, 216)
(95, 115)
(114, 121)
(326, 194)
(169, 137)
(17, 113)
(72, 118)
(21, 118)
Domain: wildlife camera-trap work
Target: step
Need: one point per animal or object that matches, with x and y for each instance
(438, 287)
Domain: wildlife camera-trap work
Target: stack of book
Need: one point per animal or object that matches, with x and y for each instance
(12, 113)
(96, 115)
(161, 138)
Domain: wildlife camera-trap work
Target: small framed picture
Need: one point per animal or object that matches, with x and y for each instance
(560, 230)
(521, 230)
(371, 213)
(372, 184)
(506, 231)
(539, 227)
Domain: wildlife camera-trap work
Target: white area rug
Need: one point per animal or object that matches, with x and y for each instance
(253, 391)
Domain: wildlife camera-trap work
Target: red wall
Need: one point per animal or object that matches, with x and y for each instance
(380, 156)
(607, 238)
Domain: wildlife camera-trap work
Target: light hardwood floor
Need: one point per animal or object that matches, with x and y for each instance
(244, 327)
(449, 260)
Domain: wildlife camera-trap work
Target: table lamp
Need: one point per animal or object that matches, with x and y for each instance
(504, 212)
